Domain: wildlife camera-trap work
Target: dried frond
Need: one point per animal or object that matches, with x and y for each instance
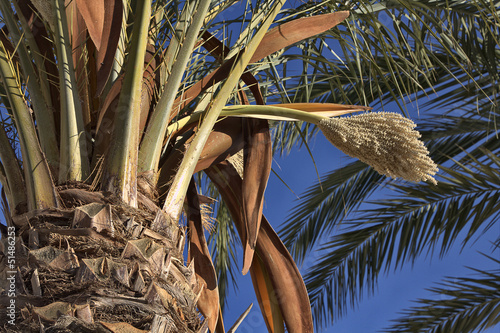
(386, 141)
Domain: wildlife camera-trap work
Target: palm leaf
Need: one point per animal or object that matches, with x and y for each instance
(466, 305)
(419, 220)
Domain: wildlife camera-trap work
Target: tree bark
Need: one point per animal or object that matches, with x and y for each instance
(96, 266)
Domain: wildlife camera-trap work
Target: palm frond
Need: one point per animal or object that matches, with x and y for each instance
(469, 304)
(442, 52)
(224, 243)
(420, 219)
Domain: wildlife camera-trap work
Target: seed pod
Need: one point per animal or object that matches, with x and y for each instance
(386, 141)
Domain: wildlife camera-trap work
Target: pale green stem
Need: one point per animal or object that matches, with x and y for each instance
(5, 186)
(120, 173)
(152, 143)
(13, 173)
(74, 162)
(40, 188)
(39, 102)
(119, 58)
(272, 111)
(177, 193)
(39, 63)
(178, 35)
(251, 111)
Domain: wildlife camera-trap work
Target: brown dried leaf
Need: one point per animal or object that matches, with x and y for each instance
(206, 82)
(288, 285)
(93, 12)
(257, 167)
(225, 139)
(266, 298)
(228, 182)
(220, 52)
(208, 302)
(294, 31)
(285, 277)
(104, 21)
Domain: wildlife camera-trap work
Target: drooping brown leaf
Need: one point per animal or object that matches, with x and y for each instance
(266, 298)
(93, 12)
(208, 302)
(219, 51)
(225, 140)
(294, 31)
(214, 46)
(228, 182)
(256, 169)
(104, 21)
(196, 89)
(285, 277)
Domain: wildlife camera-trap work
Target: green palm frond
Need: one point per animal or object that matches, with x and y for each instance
(420, 219)
(224, 243)
(465, 305)
(442, 52)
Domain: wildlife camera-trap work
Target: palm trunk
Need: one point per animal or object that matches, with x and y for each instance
(96, 266)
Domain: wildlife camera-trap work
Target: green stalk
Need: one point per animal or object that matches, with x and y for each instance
(43, 78)
(119, 58)
(74, 164)
(40, 188)
(177, 193)
(178, 35)
(5, 186)
(40, 102)
(152, 143)
(269, 111)
(13, 173)
(256, 111)
(120, 173)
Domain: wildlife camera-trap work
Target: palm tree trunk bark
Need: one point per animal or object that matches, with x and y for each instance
(96, 266)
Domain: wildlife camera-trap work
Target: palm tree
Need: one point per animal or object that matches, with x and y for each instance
(109, 109)
(395, 51)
